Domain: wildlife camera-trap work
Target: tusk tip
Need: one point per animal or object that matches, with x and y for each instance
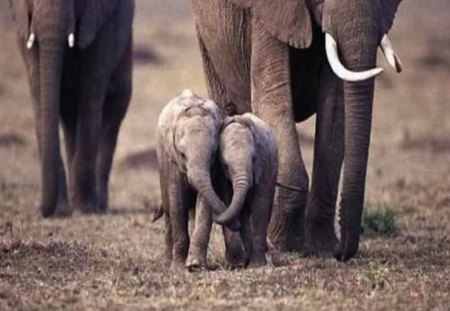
(71, 40)
(30, 41)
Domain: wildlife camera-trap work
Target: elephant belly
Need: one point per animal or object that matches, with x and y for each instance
(225, 32)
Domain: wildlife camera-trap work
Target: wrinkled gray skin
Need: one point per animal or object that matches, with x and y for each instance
(187, 140)
(247, 171)
(273, 52)
(87, 88)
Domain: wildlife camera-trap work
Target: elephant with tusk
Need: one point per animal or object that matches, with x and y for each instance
(286, 60)
(187, 141)
(247, 171)
(78, 55)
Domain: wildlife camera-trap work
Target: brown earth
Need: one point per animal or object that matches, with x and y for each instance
(114, 262)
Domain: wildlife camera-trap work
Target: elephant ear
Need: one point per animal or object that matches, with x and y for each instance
(389, 10)
(21, 15)
(93, 16)
(287, 20)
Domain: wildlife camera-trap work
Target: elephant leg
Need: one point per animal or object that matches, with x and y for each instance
(115, 108)
(235, 255)
(321, 238)
(272, 102)
(181, 199)
(261, 208)
(69, 117)
(216, 89)
(200, 239)
(246, 235)
(83, 170)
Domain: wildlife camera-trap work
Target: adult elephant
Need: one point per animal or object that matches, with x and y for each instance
(286, 60)
(78, 58)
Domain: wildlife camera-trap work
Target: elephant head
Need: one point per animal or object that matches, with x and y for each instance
(193, 136)
(240, 154)
(47, 28)
(353, 29)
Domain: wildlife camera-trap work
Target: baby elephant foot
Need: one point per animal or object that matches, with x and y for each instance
(195, 261)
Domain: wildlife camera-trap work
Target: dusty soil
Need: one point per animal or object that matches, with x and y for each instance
(115, 261)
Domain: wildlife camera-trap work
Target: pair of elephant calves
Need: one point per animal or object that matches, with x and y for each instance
(208, 163)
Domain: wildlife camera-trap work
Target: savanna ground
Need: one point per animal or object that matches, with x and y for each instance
(115, 261)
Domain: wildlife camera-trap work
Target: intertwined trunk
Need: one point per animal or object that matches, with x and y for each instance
(241, 172)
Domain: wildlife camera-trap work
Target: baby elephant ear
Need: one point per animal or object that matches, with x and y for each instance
(287, 20)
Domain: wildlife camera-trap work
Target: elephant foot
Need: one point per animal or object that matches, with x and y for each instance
(103, 204)
(286, 233)
(286, 227)
(63, 209)
(86, 207)
(320, 241)
(195, 261)
(257, 262)
(235, 258)
(177, 265)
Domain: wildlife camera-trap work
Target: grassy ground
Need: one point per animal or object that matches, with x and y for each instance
(115, 261)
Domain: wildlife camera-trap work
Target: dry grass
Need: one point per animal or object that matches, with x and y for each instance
(114, 261)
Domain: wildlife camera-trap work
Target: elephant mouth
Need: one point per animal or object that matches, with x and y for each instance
(353, 76)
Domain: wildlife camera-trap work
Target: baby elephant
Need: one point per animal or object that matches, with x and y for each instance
(247, 170)
(187, 134)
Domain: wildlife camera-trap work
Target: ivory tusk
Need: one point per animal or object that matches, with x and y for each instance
(340, 70)
(30, 41)
(71, 40)
(389, 53)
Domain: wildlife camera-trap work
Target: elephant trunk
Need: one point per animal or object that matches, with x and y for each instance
(51, 58)
(241, 186)
(358, 119)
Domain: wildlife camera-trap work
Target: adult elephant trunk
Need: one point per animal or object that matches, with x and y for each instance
(51, 58)
(358, 53)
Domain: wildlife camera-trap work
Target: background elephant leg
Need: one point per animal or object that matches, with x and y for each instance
(272, 101)
(199, 245)
(115, 108)
(83, 179)
(328, 156)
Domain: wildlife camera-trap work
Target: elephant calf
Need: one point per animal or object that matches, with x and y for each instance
(247, 169)
(188, 132)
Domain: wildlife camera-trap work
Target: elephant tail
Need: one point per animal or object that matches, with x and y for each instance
(158, 213)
